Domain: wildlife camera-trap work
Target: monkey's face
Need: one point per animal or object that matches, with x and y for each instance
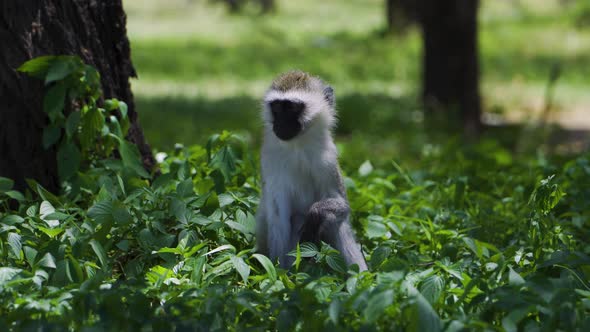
(287, 118)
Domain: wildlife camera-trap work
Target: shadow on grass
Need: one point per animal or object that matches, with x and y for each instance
(188, 121)
(371, 127)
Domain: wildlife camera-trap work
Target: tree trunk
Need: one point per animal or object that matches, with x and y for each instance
(93, 30)
(450, 61)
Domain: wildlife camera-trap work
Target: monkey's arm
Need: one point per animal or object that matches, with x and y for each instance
(328, 220)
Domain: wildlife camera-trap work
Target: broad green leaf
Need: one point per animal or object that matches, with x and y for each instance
(100, 253)
(5, 184)
(7, 274)
(54, 101)
(514, 278)
(377, 229)
(377, 304)
(267, 265)
(60, 68)
(47, 261)
(45, 210)
(102, 212)
(12, 219)
(225, 161)
(308, 250)
(51, 135)
(30, 255)
(120, 214)
(14, 241)
(431, 288)
(15, 195)
(422, 316)
(72, 123)
(57, 216)
(336, 262)
(221, 248)
(334, 310)
(38, 66)
(379, 255)
(51, 232)
(185, 188)
(131, 157)
(91, 123)
(68, 160)
(241, 266)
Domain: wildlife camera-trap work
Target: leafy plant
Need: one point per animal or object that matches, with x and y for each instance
(469, 238)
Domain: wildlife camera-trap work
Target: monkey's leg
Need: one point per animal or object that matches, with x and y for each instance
(328, 221)
(279, 228)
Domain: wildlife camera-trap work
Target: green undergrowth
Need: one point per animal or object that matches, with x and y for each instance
(463, 238)
(470, 239)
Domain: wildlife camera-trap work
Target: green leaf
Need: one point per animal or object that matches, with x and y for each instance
(379, 255)
(546, 196)
(7, 274)
(100, 253)
(225, 161)
(68, 160)
(308, 250)
(102, 212)
(38, 66)
(12, 219)
(514, 278)
(267, 265)
(51, 232)
(121, 215)
(334, 310)
(54, 101)
(15, 195)
(431, 288)
(60, 68)
(123, 108)
(5, 184)
(92, 121)
(45, 210)
(185, 188)
(376, 229)
(30, 255)
(47, 261)
(242, 268)
(337, 263)
(377, 304)
(131, 157)
(422, 316)
(14, 241)
(51, 135)
(72, 123)
(57, 216)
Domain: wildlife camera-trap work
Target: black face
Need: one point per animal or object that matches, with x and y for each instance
(286, 115)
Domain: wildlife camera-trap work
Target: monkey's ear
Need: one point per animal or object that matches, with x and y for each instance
(329, 95)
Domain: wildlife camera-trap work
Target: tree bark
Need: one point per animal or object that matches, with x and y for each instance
(93, 30)
(450, 60)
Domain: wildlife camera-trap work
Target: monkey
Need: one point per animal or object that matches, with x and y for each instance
(303, 195)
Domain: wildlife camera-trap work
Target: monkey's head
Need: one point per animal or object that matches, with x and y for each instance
(297, 102)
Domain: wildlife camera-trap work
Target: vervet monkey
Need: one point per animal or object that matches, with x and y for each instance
(303, 196)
